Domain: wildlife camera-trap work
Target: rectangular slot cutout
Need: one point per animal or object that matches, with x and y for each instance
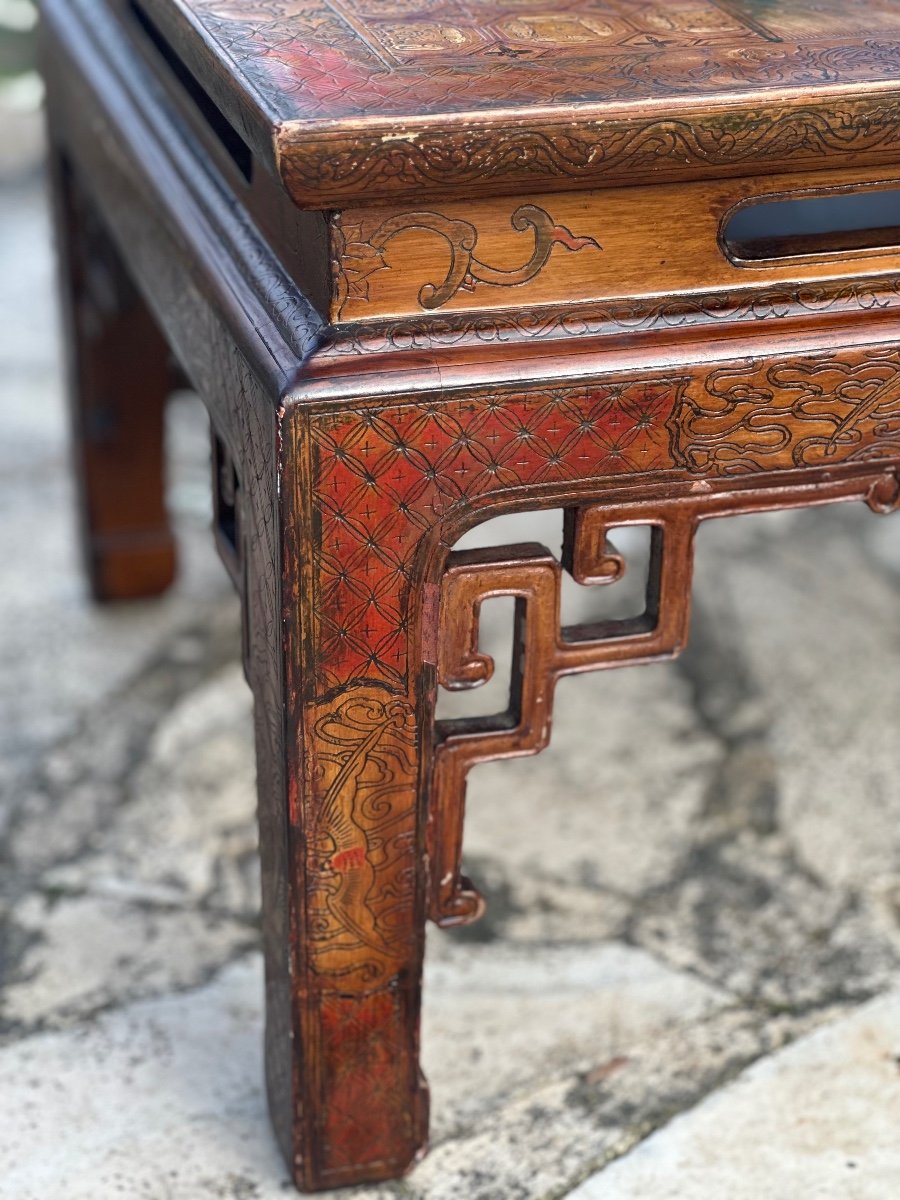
(219, 125)
(226, 509)
(866, 221)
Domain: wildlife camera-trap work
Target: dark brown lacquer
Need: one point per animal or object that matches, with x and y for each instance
(427, 263)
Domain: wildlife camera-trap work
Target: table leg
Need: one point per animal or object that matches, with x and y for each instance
(119, 379)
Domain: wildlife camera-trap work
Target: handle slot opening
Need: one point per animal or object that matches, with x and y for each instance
(813, 226)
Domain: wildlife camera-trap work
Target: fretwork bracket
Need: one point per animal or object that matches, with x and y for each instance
(543, 651)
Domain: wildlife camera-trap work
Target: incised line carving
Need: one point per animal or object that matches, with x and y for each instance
(359, 850)
(812, 411)
(339, 169)
(320, 69)
(387, 473)
(515, 30)
(359, 257)
(547, 321)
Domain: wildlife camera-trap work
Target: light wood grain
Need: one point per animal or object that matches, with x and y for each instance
(651, 241)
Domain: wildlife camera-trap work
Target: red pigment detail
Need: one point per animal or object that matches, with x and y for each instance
(366, 1060)
(565, 237)
(346, 860)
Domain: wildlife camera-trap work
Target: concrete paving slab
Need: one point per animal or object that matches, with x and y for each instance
(818, 1119)
(164, 1097)
(144, 1104)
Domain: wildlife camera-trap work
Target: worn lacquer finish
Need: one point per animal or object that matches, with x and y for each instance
(445, 251)
(543, 652)
(522, 300)
(392, 480)
(626, 246)
(395, 97)
(385, 474)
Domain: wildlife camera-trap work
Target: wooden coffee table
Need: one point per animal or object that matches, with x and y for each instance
(428, 262)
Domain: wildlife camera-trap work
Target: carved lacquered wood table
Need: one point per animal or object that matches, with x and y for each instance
(427, 262)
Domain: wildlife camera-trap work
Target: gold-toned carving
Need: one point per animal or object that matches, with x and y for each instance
(813, 411)
(361, 852)
(549, 322)
(360, 257)
(779, 78)
(422, 37)
(406, 31)
(557, 29)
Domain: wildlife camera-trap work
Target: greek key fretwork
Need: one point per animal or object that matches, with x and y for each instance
(543, 652)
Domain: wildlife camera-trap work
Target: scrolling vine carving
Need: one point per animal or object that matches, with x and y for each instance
(340, 169)
(547, 322)
(359, 257)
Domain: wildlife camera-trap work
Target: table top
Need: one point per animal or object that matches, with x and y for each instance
(380, 99)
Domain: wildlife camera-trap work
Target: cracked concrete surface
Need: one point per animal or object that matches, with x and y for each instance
(687, 983)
